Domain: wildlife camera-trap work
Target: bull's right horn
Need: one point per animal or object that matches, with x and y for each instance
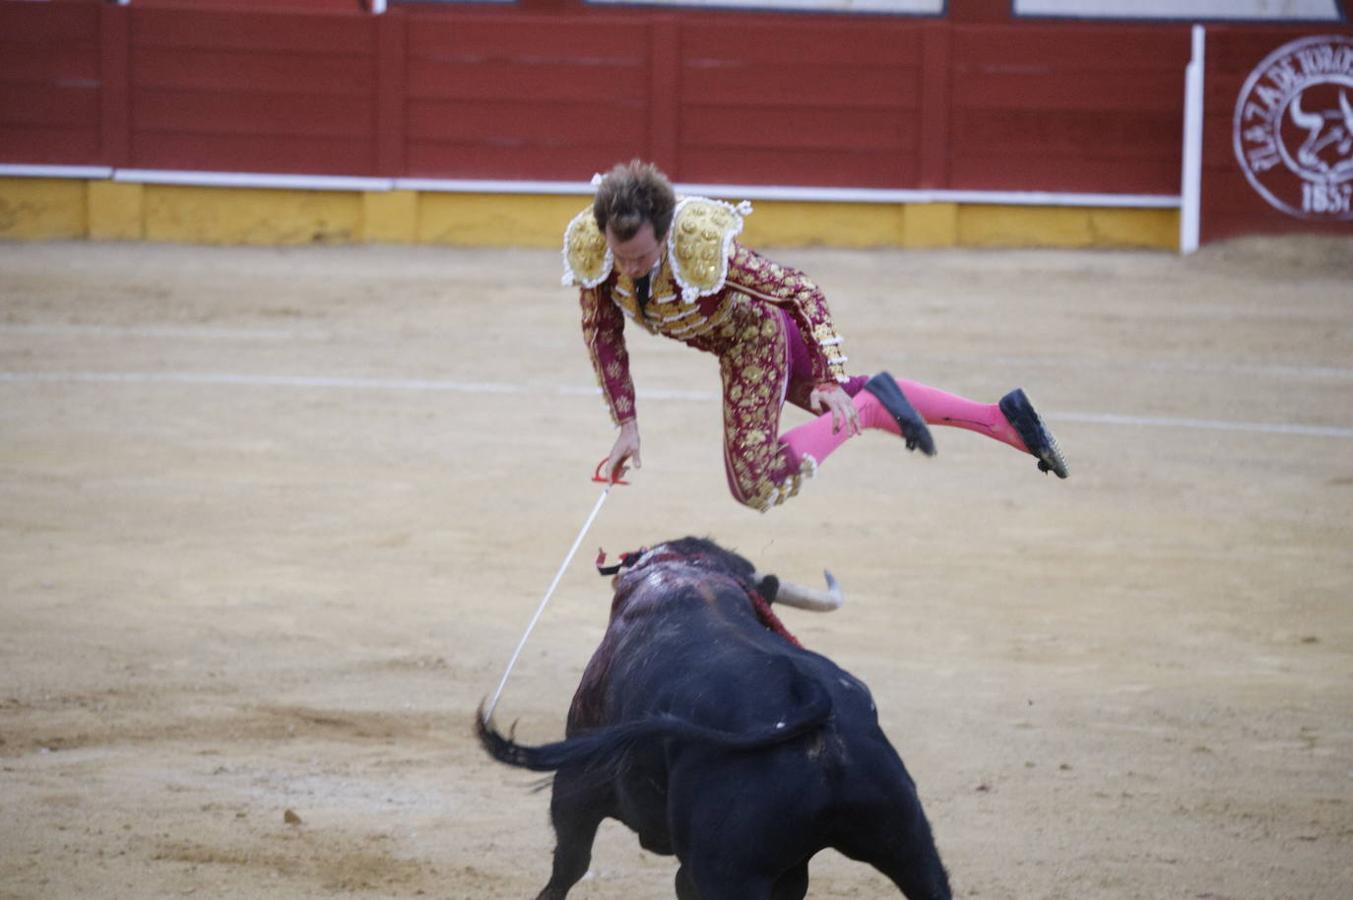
(800, 597)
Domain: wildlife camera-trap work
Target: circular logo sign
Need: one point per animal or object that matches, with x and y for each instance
(1293, 128)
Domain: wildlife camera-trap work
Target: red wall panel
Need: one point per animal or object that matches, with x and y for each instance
(201, 29)
(518, 161)
(806, 101)
(1081, 108)
(228, 71)
(845, 128)
(807, 39)
(539, 83)
(241, 153)
(49, 83)
(512, 96)
(222, 89)
(49, 145)
(790, 83)
(528, 39)
(260, 6)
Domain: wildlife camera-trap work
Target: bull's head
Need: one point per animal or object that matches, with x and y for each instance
(693, 550)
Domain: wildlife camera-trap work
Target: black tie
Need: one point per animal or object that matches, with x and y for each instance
(641, 291)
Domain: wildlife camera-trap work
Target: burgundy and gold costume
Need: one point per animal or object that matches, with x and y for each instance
(768, 324)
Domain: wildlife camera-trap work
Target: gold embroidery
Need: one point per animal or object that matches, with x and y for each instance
(700, 242)
(754, 370)
(607, 350)
(587, 258)
(830, 342)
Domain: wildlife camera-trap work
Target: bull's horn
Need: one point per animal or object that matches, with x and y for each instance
(800, 597)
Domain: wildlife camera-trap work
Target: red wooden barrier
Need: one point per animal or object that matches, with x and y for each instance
(801, 101)
(715, 97)
(391, 89)
(261, 6)
(50, 84)
(1083, 108)
(969, 102)
(524, 97)
(115, 125)
(232, 91)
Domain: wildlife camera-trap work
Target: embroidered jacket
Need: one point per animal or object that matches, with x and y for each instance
(704, 276)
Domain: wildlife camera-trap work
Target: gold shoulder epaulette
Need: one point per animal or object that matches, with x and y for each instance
(587, 258)
(701, 240)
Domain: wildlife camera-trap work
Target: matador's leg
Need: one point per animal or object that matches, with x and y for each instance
(1013, 420)
(761, 471)
(881, 405)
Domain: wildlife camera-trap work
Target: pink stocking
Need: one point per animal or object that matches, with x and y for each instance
(939, 408)
(818, 440)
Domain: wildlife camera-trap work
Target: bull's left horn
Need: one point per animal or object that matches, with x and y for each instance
(800, 597)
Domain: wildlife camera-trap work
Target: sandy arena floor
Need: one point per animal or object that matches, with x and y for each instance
(271, 522)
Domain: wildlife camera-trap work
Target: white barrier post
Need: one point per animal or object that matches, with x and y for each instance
(1191, 179)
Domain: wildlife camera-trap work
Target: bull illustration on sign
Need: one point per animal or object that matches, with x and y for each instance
(1325, 128)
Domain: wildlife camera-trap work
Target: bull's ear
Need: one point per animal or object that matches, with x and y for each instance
(768, 587)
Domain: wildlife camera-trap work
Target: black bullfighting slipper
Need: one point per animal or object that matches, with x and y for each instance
(914, 429)
(1018, 410)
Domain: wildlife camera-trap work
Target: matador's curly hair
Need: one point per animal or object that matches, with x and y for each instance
(633, 193)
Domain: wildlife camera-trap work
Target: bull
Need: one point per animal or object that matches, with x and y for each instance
(701, 725)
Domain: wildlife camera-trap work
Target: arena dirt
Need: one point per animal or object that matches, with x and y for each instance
(271, 522)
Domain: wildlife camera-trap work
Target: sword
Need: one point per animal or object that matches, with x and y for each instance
(597, 477)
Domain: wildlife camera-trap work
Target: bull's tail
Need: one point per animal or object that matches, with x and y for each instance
(607, 744)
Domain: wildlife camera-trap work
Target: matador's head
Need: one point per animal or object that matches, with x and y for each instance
(633, 208)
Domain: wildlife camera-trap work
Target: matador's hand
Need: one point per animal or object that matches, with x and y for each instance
(626, 448)
(831, 397)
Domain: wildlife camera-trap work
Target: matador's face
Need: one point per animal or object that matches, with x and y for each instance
(637, 256)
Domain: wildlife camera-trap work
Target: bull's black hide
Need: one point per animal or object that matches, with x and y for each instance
(717, 740)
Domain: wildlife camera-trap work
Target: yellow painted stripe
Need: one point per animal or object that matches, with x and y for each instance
(54, 208)
(38, 209)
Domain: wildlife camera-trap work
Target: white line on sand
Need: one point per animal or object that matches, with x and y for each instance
(489, 387)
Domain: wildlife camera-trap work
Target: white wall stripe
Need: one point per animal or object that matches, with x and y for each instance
(485, 387)
(13, 170)
(252, 180)
(901, 195)
(273, 180)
